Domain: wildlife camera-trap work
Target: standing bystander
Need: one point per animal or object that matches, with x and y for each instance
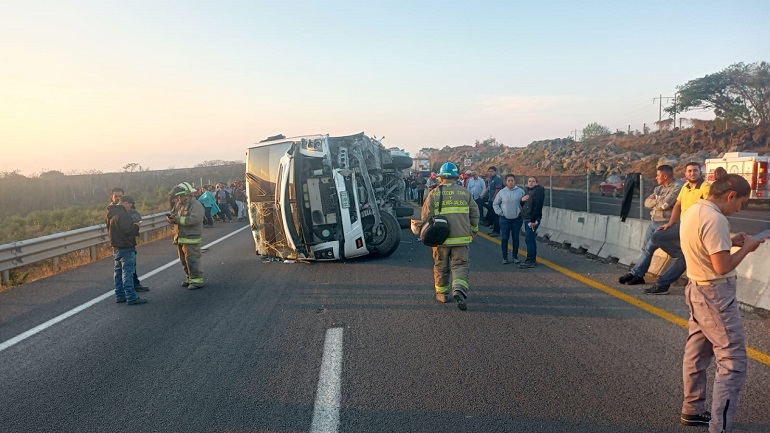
(507, 205)
(715, 328)
(532, 213)
(117, 193)
(123, 231)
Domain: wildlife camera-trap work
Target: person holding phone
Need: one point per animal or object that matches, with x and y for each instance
(715, 328)
(186, 217)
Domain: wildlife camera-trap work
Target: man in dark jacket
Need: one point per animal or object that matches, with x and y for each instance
(123, 232)
(532, 213)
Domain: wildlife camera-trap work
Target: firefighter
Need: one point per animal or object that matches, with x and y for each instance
(187, 218)
(450, 260)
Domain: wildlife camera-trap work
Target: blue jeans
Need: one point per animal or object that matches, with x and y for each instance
(510, 227)
(644, 260)
(530, 238)
(668, 241)
(125, 266)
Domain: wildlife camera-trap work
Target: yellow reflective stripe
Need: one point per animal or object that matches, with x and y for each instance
(454, 210)
(474, 228)
(460, 282)
(196, 280)
(189, 241)
(182, 220)
(442, 289)
(460, 240)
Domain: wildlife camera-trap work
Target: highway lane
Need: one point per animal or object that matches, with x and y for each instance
(754, 219)
(537, 351)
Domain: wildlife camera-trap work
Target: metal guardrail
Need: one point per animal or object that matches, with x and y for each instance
(21, 253)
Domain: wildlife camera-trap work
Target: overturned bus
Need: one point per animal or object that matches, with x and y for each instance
(325, 198)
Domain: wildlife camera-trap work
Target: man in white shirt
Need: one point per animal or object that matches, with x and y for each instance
(476, 186)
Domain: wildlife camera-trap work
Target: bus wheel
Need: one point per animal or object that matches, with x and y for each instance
(385, 241)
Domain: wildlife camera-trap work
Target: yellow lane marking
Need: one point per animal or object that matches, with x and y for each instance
(754, 354)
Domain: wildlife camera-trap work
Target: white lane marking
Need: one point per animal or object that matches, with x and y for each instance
(24, 335)
(326, 413)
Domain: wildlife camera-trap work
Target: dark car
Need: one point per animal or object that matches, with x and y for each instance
(613, 185)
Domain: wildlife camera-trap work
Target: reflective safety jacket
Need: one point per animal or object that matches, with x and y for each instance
(189, 214)
(460, 209)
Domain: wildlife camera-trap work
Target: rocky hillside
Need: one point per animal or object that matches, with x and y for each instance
(611, 154)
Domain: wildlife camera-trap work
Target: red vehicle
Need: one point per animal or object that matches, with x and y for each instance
(613, 185)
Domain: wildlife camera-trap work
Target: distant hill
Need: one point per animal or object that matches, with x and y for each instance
(21, 195)
(615, 153)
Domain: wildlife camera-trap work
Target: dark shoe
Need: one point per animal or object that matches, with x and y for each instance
(516, 261)
(443, 297)
(505, 261)
(656, 290)
(527, 264)
(120, 300)
(136, 301)
(702, 419)
(630, 279)
(141, 288)
(494, 234)
(184, 283)
(193, 286)
(460, 298)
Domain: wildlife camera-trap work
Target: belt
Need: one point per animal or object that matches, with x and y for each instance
(714, 282)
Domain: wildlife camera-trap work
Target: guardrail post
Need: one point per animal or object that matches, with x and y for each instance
(550, 188)
(6, 277)
(92, 252)
(56, 264)
(588, 192)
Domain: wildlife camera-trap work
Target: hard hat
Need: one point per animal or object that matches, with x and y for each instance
(449, 170)
(182, 189)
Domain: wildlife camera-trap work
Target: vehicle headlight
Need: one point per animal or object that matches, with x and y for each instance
(315, 145)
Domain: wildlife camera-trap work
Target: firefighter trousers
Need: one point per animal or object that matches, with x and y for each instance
(450, 268)
(190, 257)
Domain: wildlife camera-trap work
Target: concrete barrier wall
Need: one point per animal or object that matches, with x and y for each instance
(609, 238)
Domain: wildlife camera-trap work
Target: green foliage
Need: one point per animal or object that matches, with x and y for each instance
(593, 130)
(740, 94)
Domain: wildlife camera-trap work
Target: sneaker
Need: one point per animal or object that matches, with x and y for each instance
(656, 290)
(494, 234)
(443, 297)
(141, 288)
(516, 261)
(630, 279)
(184, 283)
(136, 301)
(120, 300)
(527, 264)
(460, 298)
(702, 419)
(505, 261)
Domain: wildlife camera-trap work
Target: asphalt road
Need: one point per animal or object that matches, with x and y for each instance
(558, 348)
(754, 219)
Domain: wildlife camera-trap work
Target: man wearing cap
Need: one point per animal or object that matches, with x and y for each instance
(123, 231)
(117, 193)
(186, 217)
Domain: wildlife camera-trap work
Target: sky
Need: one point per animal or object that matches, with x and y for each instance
(96, 85)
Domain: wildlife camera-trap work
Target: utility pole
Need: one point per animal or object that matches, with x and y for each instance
(660, 106)
(574, 132)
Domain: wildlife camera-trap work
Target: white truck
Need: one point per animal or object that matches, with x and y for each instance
(318, 197)
(749, 165)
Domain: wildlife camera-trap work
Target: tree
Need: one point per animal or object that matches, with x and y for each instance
(132, 166)
(593, 130)
(740, 93)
